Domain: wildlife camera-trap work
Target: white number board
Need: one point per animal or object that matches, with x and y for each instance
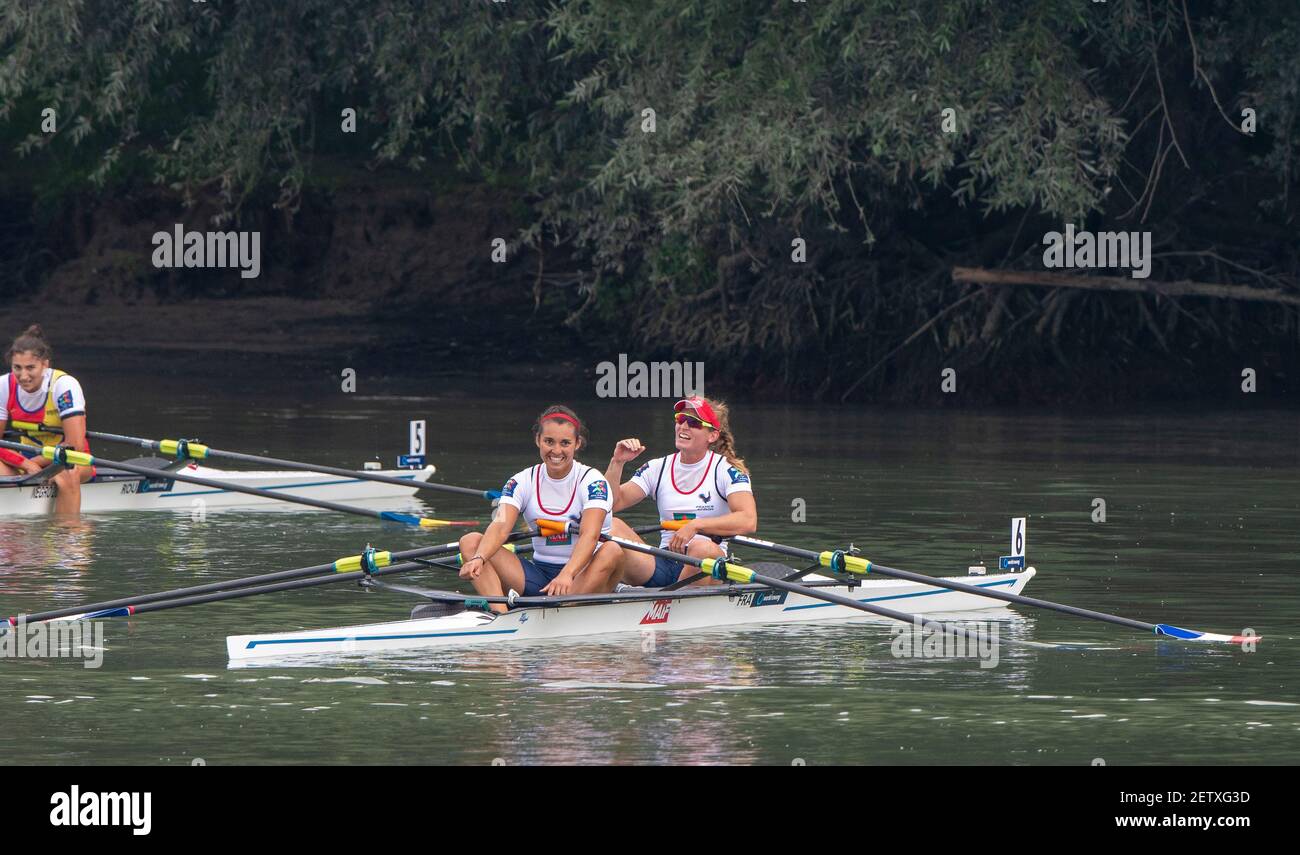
(417, 437)
(1018, 537)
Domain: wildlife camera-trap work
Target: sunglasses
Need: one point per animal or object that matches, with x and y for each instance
(691, 421)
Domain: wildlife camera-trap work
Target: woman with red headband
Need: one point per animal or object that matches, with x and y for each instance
(560, 489)
(34, 392)
(705, 482)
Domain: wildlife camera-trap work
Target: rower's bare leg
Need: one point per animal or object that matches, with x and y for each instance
(602, 573)
(637, 567)
(500, 573)
(69, 481)
(701, 547)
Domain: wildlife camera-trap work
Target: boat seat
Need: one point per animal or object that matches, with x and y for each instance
(108, 473)
(432, 610)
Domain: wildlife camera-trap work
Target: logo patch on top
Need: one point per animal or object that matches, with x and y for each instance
(509, 488)
(641, 471)
(658, 612)
(64, 402)
(737, 477)
(598, 491)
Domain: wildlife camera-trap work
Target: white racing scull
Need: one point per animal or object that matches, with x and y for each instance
(122, 491)
(635, 610)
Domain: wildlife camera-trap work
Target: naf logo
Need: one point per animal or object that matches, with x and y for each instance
(509, 488)
(657, 613)
(737, 477)
(641, 471)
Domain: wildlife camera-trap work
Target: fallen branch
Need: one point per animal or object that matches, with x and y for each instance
(1177, 288)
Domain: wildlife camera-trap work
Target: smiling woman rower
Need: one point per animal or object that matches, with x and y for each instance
(559, 488)
(704, 482)
(32, 391)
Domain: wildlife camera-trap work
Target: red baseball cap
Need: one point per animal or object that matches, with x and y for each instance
(699, 405)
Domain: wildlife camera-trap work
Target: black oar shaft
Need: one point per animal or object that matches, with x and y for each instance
(212, 587)
(232, 584)
(805, 590)
(906, 575)
(156, 445)
(351, 576)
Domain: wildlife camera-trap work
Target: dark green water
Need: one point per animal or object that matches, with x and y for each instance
(1200, 531)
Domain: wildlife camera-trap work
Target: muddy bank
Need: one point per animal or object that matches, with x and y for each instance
(377, 271)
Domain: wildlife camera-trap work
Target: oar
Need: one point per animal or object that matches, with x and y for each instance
(839, 561)
(183, 449)
(333, 571)
(237, 593)
(720, 569)
(70, 457)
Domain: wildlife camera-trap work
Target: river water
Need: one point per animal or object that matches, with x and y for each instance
(1200, 530)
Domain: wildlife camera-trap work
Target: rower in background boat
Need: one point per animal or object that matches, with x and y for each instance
(704, 481)
(559, 488)
(32, 391)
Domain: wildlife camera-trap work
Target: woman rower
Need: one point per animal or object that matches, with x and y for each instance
(32, 391)
(705, 482)
(559, 488)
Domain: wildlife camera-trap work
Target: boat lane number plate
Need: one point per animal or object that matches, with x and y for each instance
(414, 459)
(1016, 560)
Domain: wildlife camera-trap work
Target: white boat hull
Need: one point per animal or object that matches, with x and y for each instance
(670, 613)
(163, 494)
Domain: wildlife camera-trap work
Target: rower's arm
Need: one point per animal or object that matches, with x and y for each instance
(743, 518)
(627, 494)
(592, 521)
(74, 432)
(497, 531)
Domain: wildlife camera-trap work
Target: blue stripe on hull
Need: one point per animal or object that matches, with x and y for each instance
(344, 638)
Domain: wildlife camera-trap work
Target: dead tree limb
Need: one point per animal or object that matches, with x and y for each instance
(1176, 288)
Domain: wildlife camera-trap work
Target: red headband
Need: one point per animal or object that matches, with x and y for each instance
(570, 419)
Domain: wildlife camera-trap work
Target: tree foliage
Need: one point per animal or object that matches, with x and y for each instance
(774, 120)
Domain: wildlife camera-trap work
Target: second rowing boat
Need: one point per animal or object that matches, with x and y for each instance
(121, 491)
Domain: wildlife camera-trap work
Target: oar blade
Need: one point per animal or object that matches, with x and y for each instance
(1210, 637)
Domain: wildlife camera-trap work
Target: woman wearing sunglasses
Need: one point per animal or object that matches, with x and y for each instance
(704, 482)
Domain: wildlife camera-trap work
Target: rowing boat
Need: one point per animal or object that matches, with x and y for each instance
(121, 491)
(634, 610)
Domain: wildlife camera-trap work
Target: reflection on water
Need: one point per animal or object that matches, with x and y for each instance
(47, 558)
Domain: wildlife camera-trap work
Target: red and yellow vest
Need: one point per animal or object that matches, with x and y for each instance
(47, 417)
